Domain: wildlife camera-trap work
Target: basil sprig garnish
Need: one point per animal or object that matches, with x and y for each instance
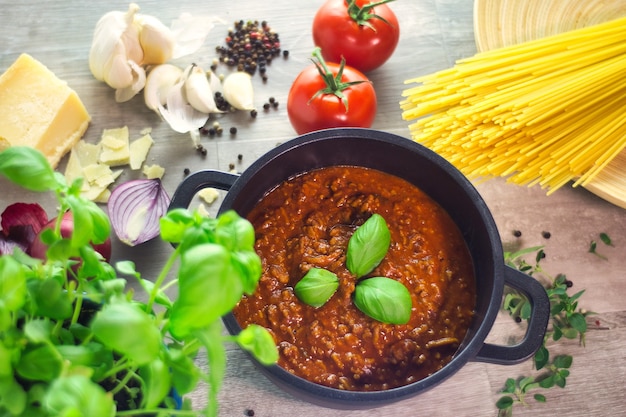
(383, 299)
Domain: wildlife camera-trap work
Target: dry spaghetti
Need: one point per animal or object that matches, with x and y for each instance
(546, 112)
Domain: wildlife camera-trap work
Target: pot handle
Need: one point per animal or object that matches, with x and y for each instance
(200, 180)
(538, 298)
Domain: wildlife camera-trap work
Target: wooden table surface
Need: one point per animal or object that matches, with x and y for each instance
(434, 34)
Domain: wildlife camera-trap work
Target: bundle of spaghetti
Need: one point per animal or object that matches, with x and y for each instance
(548, 111)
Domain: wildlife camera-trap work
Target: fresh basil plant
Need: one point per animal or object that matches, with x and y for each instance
(53, 363)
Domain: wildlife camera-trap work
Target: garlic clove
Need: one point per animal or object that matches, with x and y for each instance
(139, 81)
(159, 82)
(178, 113)
(238, 90)
(216, 83)
(198, 91)
(156, 39)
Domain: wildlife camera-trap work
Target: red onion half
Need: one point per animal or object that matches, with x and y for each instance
(135, 208)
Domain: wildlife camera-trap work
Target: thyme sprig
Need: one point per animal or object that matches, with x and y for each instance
(567, 321)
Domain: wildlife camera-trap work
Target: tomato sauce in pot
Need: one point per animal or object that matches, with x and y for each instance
(306, 222)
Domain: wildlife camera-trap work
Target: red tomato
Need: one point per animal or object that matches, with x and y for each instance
(317, 101)
(365, 36)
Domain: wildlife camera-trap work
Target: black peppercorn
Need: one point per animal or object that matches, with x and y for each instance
(517, 233)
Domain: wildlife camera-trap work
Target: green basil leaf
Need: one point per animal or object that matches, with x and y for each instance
(156, 382)
(249, 268)
(384, 299)
(12, 284)
(185, 374)
(368, 246)
(127, 329)
(208, 288)
(40, 364)
(258, 341)
(234, 232)
(174, 224)
(28, 168)
(78, 395)
(316, 287)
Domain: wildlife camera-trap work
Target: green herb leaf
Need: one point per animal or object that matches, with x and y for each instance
(384, 299)
(174, 224)
(127, 329)
(156, 380)
(78, 395)
(563, 361)
(606, 239)
(207, 289)
(542, 356)
(28, 168)
(258, 341)
(12, 284)
(540, 398)
(316, 287)
(504, 402)
(40, 364)
(368, 246)
(234, 232)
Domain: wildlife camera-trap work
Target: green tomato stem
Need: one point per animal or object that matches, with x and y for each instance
(334, 85)
(361, 15)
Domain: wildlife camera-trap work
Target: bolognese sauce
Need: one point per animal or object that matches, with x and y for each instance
(306, 222)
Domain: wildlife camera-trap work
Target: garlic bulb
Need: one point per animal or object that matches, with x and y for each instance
(238, 90)
(198, 91)
(115, 42)
(159, 82)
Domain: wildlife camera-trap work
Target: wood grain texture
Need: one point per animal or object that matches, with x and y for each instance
(434, 34)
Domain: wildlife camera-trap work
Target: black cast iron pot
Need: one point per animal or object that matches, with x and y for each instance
(446, 185)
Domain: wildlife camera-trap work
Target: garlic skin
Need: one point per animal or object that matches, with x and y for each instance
(238, 90)
(198, 91)
(156, 40)
(139, 81)
(159, 82)
(179, 114)
(115, 42)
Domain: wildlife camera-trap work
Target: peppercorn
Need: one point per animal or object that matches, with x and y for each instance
(186, 171)
(249, 44)
(249, 413)
(546, 235)
(517, 233)
(233, 130)
(253, 113)
(240, 157)
(271, 100)
(285, 53)
(266, 106)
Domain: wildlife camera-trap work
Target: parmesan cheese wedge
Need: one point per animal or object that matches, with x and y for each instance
(39, 110)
